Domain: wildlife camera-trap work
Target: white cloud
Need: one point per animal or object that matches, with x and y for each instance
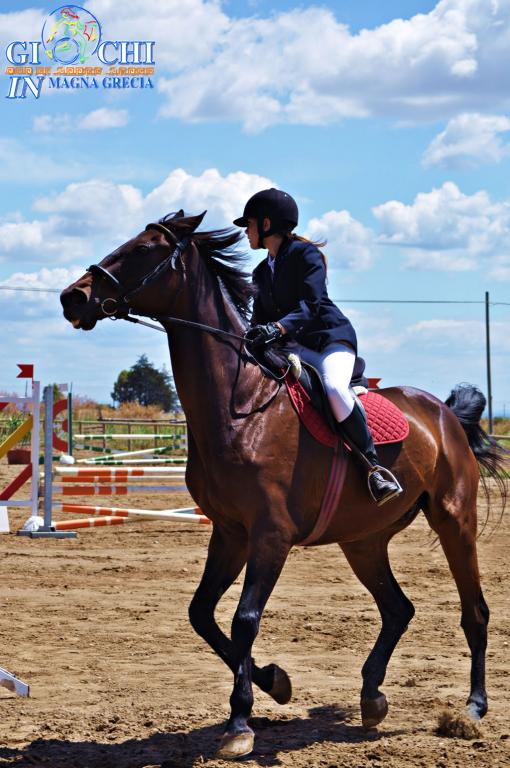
(377, 334)
(21, 234)
(466, 334)
(17, 307)
(97, 120)
(94, 206)
(186, 31)
(37, 240)
(102, 206)
(52, 123)
(441, 261)
(463, 337)
(20, 25)
(103, 118)
(224, 197)
(87, 219)
(469, 140)
(350, 244)
(58, 277)
(501, 269)
(303, 66)
(443, 230)
(447, 230)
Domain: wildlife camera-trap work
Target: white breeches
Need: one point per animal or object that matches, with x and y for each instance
(335, 365)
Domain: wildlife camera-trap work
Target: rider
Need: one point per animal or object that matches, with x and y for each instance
(291, 299)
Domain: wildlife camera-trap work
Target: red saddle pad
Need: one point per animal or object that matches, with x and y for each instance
(386, 421)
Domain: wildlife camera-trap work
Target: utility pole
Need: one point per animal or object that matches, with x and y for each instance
(488, 351)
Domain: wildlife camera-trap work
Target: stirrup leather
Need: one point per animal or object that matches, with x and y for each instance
(388, 476)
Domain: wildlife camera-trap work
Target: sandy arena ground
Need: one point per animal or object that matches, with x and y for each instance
(98, 626)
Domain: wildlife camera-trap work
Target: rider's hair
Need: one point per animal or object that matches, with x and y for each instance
(318, 244)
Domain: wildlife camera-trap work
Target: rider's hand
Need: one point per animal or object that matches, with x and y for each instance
(264, 335)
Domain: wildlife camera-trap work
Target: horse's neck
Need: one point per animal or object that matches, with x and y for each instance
(206, 367)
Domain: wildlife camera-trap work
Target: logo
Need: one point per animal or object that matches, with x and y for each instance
(72, 54)
(70, 34)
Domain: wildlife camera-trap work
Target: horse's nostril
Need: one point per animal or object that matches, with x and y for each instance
(73, 297)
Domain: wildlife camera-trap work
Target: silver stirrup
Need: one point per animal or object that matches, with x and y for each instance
(389, 476)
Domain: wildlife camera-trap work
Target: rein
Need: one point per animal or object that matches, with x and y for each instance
(207, 329)
(178, 321)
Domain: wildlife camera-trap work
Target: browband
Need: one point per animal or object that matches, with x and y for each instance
(167, 232)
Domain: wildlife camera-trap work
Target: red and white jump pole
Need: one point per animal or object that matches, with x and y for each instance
(183, 515)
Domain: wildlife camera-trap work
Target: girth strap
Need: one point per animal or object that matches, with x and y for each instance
(331, 496)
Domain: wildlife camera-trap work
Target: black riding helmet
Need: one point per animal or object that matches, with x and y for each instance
(273, 204)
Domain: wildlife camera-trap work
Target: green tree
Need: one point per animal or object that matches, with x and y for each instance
(144, 384)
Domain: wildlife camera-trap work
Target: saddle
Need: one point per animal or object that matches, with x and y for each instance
(385, 420)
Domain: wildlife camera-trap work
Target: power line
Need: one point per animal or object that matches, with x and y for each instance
(419, 301)
(342, 300)
(407, 301)
(29, 290)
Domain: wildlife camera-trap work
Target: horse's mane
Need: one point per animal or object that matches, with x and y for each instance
(217, 248)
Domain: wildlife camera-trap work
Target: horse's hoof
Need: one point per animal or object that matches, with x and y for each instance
(476, 709)
(373, 711)
(281, 690)
(235, 745)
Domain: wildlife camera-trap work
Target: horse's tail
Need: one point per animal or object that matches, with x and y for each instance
(468, 402)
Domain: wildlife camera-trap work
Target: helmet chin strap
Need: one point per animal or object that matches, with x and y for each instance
(260, 230)
(274, 229)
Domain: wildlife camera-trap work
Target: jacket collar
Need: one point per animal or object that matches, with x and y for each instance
(282, 250)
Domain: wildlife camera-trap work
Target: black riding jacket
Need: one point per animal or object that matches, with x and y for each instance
(296, 296)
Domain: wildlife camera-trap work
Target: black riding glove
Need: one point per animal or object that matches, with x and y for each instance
(263, 335)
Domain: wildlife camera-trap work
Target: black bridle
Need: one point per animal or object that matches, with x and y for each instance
(121, 309)
(121, 303)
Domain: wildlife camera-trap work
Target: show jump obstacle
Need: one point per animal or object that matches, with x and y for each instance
(13, 684)
(84, 480)
(29, 472)
(80, 480)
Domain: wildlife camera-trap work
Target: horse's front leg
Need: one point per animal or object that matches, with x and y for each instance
(226, 558)
(268, 550)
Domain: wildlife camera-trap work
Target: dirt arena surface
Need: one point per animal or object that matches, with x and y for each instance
(98, 626)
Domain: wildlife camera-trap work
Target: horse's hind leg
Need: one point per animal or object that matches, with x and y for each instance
(225, 560)
(453, 518)
(369, 561)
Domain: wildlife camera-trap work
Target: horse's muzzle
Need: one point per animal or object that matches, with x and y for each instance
(76, 303)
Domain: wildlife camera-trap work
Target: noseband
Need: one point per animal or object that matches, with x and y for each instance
(121, 303)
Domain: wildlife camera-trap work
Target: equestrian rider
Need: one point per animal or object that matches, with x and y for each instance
(292, 300)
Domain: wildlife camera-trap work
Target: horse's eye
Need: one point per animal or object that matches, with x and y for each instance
(141, 250)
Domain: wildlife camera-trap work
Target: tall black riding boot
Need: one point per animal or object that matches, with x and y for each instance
(382, 485)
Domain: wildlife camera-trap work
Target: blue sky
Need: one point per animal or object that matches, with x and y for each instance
(389, 123)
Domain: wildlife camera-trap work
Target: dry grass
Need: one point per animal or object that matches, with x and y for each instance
(88, 410)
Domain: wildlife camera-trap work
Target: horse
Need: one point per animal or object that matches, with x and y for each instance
(259, 475)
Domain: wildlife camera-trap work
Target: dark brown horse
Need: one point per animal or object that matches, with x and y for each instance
(260, 477)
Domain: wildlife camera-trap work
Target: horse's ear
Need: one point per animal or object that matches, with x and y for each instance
(184, 223)
(193, 222)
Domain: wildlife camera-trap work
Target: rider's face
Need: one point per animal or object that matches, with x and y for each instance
(252, 232)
